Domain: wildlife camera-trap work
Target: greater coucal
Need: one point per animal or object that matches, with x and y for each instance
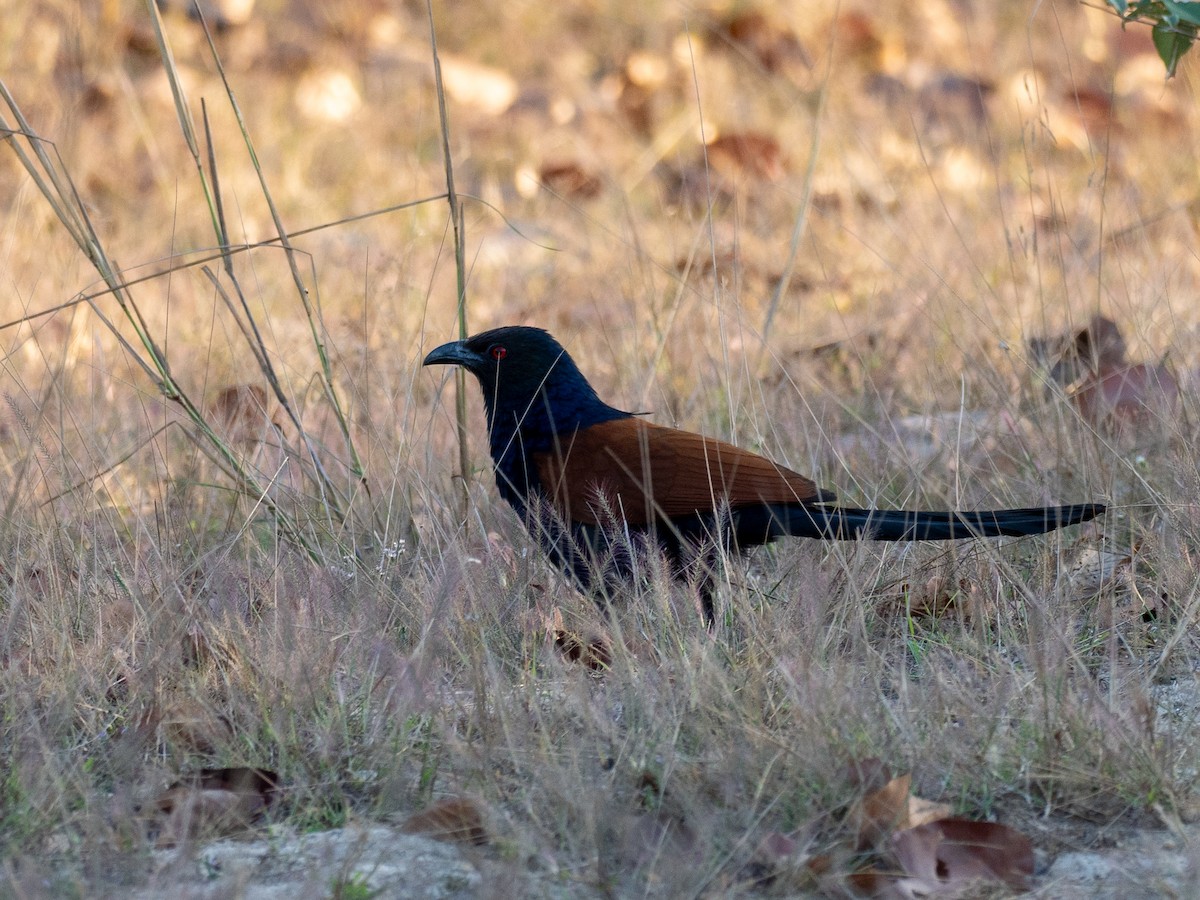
(596, 485)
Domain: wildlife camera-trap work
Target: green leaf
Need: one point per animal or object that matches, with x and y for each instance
(1119, 5)
(1183, 12)
(1172, 43)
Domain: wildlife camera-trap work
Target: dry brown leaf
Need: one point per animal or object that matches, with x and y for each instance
(859, 36)
(723, 261)
(192, 725)
(570, 179)
(590, 650)
(770, 42)
(1069, 357)
(922, 811)
(215, 802)
(1126, 394)
(637, 105)
(877, 814)
(747, 154)
(243, 411)
(1094, 107)
(947, 855)
(457, 820)
(1109, 390)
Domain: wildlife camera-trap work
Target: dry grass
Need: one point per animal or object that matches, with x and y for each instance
(174, 600)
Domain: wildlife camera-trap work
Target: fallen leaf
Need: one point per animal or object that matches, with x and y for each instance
(768, 41)
(456, 820)
(874, 883)
(637, 105)
(945, 856)
(215, 802)
(1126, 394)
(243, 411)
(570, 179)
(747, 154)
(1069, 357)
(922, 811)
(194, 726)
(592, 651)
(1094, 108)
(1092, 369)
(723, 261)
(877, 814)
(859, 36)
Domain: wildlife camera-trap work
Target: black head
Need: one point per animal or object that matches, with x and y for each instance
(515, 360)
(524, 373)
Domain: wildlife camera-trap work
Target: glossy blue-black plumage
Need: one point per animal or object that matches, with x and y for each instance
(532, 392)
(595, 486)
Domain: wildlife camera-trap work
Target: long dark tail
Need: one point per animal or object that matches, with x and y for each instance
(841, 523)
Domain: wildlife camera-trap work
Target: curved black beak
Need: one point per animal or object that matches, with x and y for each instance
(455, 353)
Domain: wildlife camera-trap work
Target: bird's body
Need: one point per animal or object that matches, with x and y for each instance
(596, 485)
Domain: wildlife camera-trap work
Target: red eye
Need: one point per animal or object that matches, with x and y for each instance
(498, 352)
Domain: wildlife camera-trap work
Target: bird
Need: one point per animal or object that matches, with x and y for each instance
(598, 487)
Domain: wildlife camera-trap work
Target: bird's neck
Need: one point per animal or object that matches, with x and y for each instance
(548, 421)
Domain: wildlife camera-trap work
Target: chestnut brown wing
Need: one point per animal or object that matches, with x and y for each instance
(638, 471)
